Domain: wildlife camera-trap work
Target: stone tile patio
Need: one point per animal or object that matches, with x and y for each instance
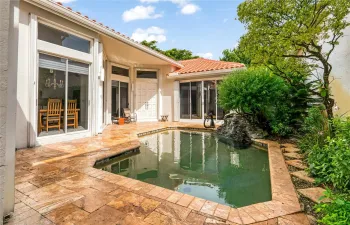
(57, 184)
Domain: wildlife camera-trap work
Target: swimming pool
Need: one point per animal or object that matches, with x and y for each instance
(198, 164)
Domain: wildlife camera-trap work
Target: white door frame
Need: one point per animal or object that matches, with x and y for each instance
(150, 81)
(119, 78)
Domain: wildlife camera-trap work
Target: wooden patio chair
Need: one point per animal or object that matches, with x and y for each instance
(72, 114)
(53, 114)
(129, 116)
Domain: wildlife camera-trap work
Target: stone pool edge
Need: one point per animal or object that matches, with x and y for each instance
(284, 197)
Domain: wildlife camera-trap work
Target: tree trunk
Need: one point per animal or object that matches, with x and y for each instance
(329, 103)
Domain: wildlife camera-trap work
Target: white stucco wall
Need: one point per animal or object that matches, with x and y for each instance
(4, 33)
(340, 61)
(8, 75)
(23, 101)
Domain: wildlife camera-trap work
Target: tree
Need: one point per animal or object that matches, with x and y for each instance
(296, 34)
(236, 55)
(176, 54)
(261, 97)
(152, 45)
(180, 54)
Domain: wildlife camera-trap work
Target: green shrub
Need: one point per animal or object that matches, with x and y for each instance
(260, 96)
(337, 212)
(314, 130)
(330, 162)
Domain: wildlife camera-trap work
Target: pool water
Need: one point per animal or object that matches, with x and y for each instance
(201, 165)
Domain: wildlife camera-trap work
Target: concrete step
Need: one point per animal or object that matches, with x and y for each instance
(297, 163)
(303, 176)
(293, 155)
(291, 149)
(288, 145)
(314, 194)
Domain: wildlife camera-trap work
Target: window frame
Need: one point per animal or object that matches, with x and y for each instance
(67, 30)
(66, 97)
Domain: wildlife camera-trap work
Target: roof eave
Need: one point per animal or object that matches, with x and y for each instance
(77, 18)
(176, 75)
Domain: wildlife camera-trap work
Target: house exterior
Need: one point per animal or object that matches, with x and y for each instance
(340, 76)
(95, 73)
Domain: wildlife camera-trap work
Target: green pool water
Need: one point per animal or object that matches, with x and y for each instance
(198, 164)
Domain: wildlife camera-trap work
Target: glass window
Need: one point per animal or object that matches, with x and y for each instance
(185, 100)
(120, 71)
(210, 98)
(221, 112)
(115, 98)
(196, 100)
(78, 97)
(61, 38)
(59, 90)
(120, 98)
(147, 74)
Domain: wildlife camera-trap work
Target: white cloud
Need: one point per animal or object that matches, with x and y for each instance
(140, 13)
(225, 20)
(180, 2)
(65, 1)
(150, 34)
(207, 55)
(189, 9)
(149, 1)
(186, 6)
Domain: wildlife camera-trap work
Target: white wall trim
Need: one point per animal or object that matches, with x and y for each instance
(60, 51)
(33, 76)
(62, 137)
(93, 103)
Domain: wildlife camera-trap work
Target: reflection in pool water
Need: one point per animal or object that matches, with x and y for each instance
(199, 164)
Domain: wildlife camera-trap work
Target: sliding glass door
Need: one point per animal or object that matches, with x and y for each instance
(185, 102)
(120, 98)
(198, 99)
(63, 99)
(210, 98)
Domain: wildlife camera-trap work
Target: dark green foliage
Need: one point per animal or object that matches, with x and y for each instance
(260, 96)
(330, 161)
(314, 129)
(176, 54)
(337, 212)
(300, 32)
(236, 55)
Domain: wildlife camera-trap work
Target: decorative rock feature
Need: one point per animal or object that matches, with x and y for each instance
(293, 155)
(238, 131)
(297, 163)
(314, 194)
(304, 176)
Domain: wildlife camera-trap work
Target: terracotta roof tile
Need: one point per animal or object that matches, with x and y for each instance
(203, 65)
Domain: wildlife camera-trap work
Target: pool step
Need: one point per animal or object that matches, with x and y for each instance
(303, 176)
(297, 163)
(314, 194)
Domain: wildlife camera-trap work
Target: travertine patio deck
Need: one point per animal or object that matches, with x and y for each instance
(56, 184)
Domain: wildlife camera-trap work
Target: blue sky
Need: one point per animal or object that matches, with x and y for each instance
(206, 27)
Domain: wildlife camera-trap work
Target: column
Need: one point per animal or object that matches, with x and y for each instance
(9, 21)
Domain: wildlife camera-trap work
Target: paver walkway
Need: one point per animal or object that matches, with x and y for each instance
(57, 184)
